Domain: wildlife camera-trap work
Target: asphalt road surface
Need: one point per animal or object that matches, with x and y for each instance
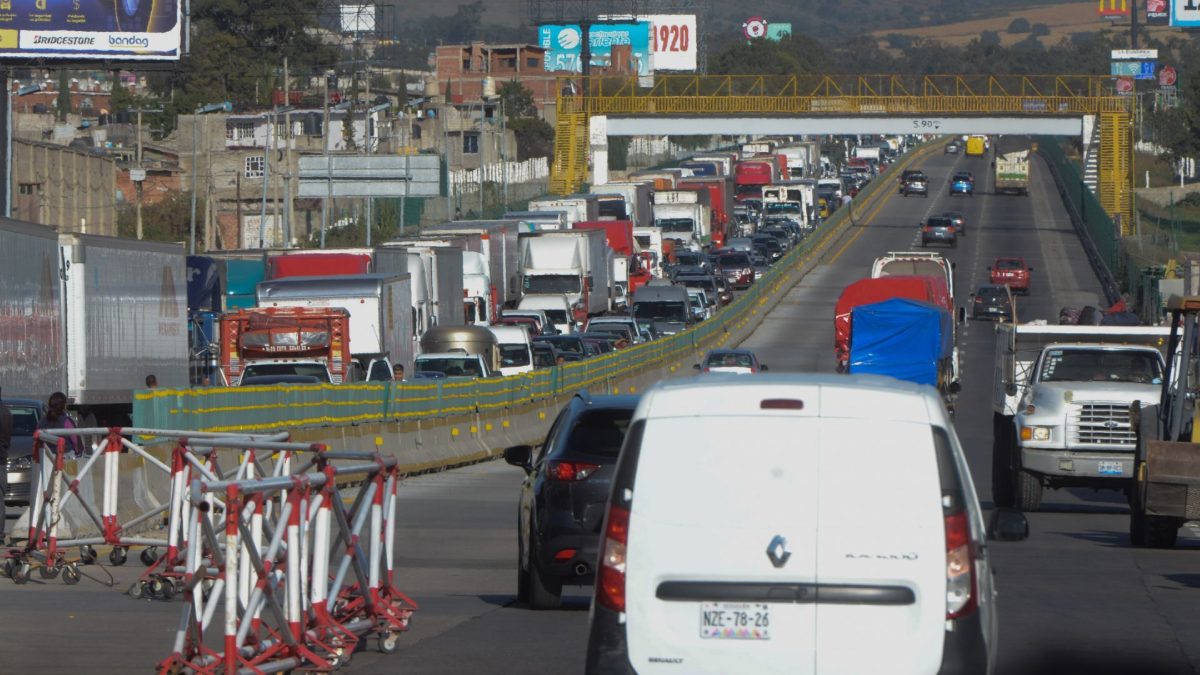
(1075, 597)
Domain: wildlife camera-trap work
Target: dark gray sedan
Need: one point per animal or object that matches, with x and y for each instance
(26, 414)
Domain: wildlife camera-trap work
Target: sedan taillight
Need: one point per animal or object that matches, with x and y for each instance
(570, 471)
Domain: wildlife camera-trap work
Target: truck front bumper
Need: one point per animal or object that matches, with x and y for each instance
(1078, 464)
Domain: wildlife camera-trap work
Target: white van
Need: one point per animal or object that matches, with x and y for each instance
(833, 528)
(556, 307)
(516, 349)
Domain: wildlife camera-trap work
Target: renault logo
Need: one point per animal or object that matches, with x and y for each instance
(777, 551)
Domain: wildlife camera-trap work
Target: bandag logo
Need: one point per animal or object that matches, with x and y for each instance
(140, 41)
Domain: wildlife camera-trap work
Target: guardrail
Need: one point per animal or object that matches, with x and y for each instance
(260, 409)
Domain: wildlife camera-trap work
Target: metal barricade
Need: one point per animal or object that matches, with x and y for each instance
(297, 581)
(116, 515)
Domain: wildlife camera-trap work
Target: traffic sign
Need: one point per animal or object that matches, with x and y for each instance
(1167, 76)
(1185, 13)
(1125, 85)
(755, 27)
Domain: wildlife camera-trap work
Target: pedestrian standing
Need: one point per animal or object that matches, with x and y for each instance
(5, 441)
(398, 372)
(56, 418)
(151, 381)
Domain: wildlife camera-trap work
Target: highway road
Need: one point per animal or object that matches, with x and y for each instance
(1075, 597)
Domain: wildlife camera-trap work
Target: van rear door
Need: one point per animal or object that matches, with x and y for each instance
(881, 548)
(722, 532)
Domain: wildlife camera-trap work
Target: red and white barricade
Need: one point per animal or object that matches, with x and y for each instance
(299, 579)
(110, 498)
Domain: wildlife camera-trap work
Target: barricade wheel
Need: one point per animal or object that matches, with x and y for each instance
(70, 575)
(8, 567)
(149, 556)
(388, 642)
(20, 573)
(117, 556)
(137, 590)
(87, 555)
(48, 571)
(157, 586)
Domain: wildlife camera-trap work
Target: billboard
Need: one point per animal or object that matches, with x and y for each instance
(1157, 13)
(1185, 13)
(358, 19)
(562, 45)
(1114, 9)
(1138, 70)
(673, 39)
(140, 30)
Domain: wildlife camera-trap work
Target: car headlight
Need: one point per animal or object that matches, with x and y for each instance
(1035, 433)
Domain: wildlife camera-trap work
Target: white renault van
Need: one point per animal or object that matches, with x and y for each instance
(793, 524)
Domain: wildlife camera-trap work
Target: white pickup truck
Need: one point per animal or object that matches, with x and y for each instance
(1060, 404)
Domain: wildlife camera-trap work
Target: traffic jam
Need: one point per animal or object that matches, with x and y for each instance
(291, 542)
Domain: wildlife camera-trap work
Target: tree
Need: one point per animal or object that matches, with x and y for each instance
(989, 38)
(517, 99)
(1040, 29)
(1018, 25)
(535, 137)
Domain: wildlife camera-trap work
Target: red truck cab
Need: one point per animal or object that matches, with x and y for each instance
(1011, 272)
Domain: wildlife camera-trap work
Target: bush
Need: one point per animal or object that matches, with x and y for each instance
(1018, 25)
(899, 40)
(989, 38)
(1040, 29)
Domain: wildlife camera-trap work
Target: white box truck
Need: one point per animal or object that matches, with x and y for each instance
(496, 242)
(574, 263)
(681, 215)
(577, 207)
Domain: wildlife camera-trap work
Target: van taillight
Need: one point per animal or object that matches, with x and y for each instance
(610, 584)
(960, 567)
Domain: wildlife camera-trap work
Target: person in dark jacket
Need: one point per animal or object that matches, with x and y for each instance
(57, 418)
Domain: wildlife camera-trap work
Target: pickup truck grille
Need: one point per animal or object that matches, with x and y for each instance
(1102, 424)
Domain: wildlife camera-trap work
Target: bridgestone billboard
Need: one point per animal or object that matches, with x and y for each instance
(121, 30)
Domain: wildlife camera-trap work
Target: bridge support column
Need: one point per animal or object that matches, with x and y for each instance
(1116, 168)
(598, 148)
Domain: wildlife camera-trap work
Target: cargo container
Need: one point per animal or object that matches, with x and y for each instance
(573, 263)
(536, 221)
(720, 196)
(634, 202)
(869, 291)
(906, 339)
(726, 160)
(380, 310)
(32, 359)
(1012, 173)
(976, 146)
(577, 207)
(749, 176)
(496, 241)
(335, 261)
(442, 264)
(629, 270)
(680, 213)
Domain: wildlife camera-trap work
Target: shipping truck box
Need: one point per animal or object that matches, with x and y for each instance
(574, 263)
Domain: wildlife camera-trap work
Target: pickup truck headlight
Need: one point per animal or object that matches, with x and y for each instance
(1035, 433)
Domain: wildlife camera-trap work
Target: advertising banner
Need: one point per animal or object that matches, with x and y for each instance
(1114, 9)
(1138, 70)
(673, 39)
(1157, 13)
(562, 44)
(91, 29)
(1185, 13)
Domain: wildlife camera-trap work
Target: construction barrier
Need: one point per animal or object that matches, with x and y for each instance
(260, 409)
(84, 495)
(295, 579)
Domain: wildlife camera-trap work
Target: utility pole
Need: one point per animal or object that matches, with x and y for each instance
(328, 163)
(1133, 24)
(141, 173)
(287, 144)
(266, 180)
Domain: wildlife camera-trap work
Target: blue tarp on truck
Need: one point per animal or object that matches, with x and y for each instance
(905, 339)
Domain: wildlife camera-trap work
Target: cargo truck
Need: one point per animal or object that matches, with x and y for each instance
(869, 291)
(577, 207)
(976, 146)
(684, 215)
(574, 263)
(1061, 399)
(1012, 173)
(726, 161)
(286, 341)
(749, 176)
(496, 242)
(380, 329)
(441, 261)
(720, 199)
(336, 261)
(906, 339)
(629, 268)
(626, 197)
(32, 356)
(536, 221)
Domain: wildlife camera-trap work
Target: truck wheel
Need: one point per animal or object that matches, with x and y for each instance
(1002, 473)
(1028, 491)
(1161, 531)
(1137, 526)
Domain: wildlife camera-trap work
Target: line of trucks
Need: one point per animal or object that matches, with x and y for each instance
(1062, 395)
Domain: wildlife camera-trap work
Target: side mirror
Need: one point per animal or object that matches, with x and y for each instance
(519, 456)
(763, 367)
(696, 366)
(1007, 524)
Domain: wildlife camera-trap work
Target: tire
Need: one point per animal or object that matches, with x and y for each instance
(1002, 471)
(1137, 526)
(522, 576)
(1161, 531)
(1027, 492)
(543, 593)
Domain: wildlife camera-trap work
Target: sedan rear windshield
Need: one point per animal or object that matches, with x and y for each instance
(735, 260)
(940, 222)
(1008, 265)
(599, 432)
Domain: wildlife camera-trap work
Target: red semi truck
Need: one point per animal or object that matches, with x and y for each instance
(751, 175)
(629, 268)
(286, 341)
(720, 193)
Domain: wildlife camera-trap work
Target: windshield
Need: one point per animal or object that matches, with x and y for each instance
(675, 224)
(940, 222)
(600, 432)
(705, 283)
(24, 420)
(567, 344)
(1100, 365)
(661, 310)
(728, 360)
(316, 370)
(543, 357)
(450, 366)
(556, 315)
(551, 284)
(513, 355)
(993, 293)
(615, 328)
